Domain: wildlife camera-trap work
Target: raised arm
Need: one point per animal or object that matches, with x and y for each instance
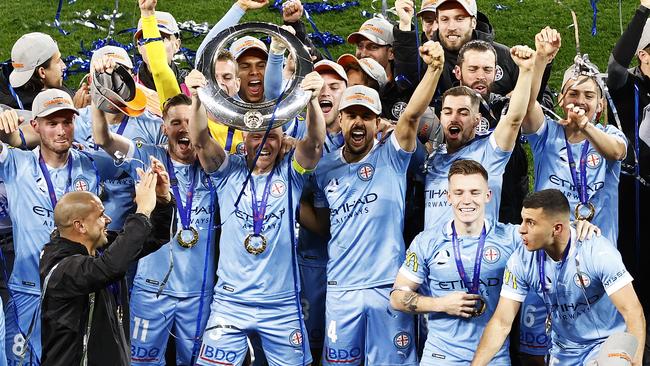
(310, 149)
(496, 331)
(163, 75)
(232, 17)
(210, 153)
(508, 127)
(547, 44)
(627, 303)
(406, 129)
(625, 48)
(273, 71)
(11, 127)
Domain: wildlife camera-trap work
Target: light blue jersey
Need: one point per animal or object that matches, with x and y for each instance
(119, 192)
(576, 326)
(366, 202)
(430, 262)
(33, 213)
(552, 171)
(483, 149)
(269, 276)
(194, 268)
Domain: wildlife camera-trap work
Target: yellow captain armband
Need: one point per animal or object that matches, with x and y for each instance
(298, 168)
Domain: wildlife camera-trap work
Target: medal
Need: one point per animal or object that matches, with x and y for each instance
(255, 244)
(548, 324)
(584, 210)
(187, 236)
(473, 287)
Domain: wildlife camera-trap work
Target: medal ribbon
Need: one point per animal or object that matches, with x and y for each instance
(120, 129)
(541, 259)
(259, 208)
(474, 285)
(184, 211)
(580, 184)
(48, 178)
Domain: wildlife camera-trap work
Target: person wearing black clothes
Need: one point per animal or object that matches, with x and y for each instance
(621, 83)
(81, 283)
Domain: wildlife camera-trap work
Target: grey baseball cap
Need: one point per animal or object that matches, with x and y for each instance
(166, 24)
(324, 65)
(50, 101)
(363, 96)
(29, 51)
(371, 67)
(468, 5)
(116, 53)
(247, 43)
(377, 30)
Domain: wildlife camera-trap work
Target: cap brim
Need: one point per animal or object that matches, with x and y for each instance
(52, 110)
(370, 108)
(20, 78)
(346, 60)
(354, 38)
(325, 67)
(136, 106)
(259, 50)
(426, 10)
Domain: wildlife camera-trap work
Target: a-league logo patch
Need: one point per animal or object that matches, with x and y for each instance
(80, 184)
(594, 160)
(483, 126)
(278, 188)
(498, 74)
(491, 254)
(398, 109)
(442, 257)
(365, 172)
(585, 279)
(402, 340)
(296, 338)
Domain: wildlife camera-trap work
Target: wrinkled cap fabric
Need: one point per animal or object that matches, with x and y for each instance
(371, 67)
(247, 43)
(363, 96)
(117, 92)
(645, 37)
(29, 51)
(166, 24)
(468, 5)
(116, 53)
(617, 350)
(376, 30)
(50, 101)
(327, 65)
(428, 6)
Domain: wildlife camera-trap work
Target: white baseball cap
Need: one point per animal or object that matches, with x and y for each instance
(363, 96)
(468, 5)
(327, 65)
(116, 53)
(166, 24)
(29, 51)
(428, 6)
(371, 67)
(377, 30)
(247, 43)
(50, 101)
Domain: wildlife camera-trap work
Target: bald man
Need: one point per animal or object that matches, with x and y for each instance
(82, 271)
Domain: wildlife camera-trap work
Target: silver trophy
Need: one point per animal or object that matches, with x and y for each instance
(254, 117)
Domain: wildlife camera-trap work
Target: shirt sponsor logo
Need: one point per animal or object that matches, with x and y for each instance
(143, 354)
(216, 356)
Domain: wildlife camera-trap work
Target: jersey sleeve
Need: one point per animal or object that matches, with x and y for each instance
(515, 282)
(221, 175)
(415, 266)
(9, 160)
(106, 167)
(163, 75)
(495, 157)
(608, 267)
(538, 139)
(614, 131)
(398, 157)
(273, 85)
(320, 199)
(231, 18)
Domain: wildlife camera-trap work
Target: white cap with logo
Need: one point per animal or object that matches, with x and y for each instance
(325, 65)
(116, 53)
(246, 43)
(50, 101)
(428, 6)
(371, 67)
(468, 5)
(363, 96)
(377, 30)
(29, 51)
(166, 24)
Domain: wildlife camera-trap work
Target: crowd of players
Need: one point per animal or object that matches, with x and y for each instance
(388, 224)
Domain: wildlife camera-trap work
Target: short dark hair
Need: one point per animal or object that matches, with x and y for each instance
(459, 91)
(475, 45)
(551, 201)
(467, 167)
(178, 99)
(35, 82)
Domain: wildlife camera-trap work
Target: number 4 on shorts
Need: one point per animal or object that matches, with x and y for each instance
(331, 331)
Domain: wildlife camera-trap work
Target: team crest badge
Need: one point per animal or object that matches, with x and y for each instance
(402, 340)
(585, 279)
(483, 127)
(491, 254)
(594, 160)
(365, 172)
(296, 338)
(80, 184)
(278, 188)
(498, 73)
(398, 109)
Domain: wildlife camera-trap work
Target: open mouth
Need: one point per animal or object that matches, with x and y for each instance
(255, 87)
(265, 153)
(326, 106)
(358, 136)
(480, 88)
(454, 132)
(453, 38)
(184, 142)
